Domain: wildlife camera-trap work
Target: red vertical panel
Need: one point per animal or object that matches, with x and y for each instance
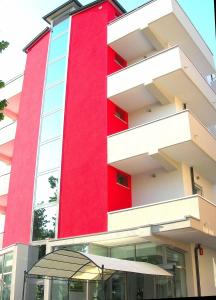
(115, 124)
(19, 206)
(83, 198)
(119, 196)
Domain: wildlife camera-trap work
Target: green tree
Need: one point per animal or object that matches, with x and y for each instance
(3, 103)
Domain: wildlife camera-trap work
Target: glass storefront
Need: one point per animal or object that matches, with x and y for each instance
(127, 286)
(6, 263)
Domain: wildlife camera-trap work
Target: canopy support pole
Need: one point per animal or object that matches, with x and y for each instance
(24, 285)
(103, 284)
(68, 289)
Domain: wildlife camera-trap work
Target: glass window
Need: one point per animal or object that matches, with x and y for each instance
(8, 262)
(54, 98)
(56, 71)
(58, 47)
(7, 279)
(6, 293)
(49, 156)
(44, 223)
(98, 250)
(47, 186)
(60, 27)
(150, 253)
(122, 179)
(124, 252)
(51, 126)
(1, 264)
(79, 248)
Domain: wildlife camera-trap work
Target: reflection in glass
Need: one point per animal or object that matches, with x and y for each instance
(124, 252)
(52, 126)
(49, 156)
(150, 253)
(7, 279)
(44, 223)
(54, 98)
(6, 293)
(98, 250)
(59, 28)
(56, 71)
(58, 47)
(47, 188)
(8, 262)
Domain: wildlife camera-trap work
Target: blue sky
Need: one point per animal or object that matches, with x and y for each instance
(22, 23)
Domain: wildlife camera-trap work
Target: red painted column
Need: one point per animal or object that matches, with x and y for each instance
(84, 181)
(20, 197)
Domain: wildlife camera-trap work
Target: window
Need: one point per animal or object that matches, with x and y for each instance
(120, 113)
(119, 60)
(122, 179)
(6, 262)
(198, 189)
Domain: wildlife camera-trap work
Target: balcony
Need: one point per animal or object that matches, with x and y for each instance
(164, 143)
(155, 26)
(189, 219)
(161, 78)
(4, 187)
(7, 136)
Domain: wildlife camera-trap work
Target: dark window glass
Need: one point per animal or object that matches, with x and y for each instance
(120, 113)
(122, 179)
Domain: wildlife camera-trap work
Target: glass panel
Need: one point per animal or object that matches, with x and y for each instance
(1, 264)
(6, 293)
(8, 262)
(52, 126)
(79, 248)
(54, 98)
(56, 71)
(164, 287)
(125, 252)
(58, 47)
(7, 279)
(150, 253)
(44, 223)
(61, 27)
(174, 257)
(47, 188)
(98, 250)
(49, 156)
(59, 290)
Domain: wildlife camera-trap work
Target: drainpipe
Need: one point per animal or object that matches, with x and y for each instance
(192, 180)
(196, 254)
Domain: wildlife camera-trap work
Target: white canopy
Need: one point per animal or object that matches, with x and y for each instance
(69, 264)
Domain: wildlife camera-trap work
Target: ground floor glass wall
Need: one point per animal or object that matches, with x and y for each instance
(124, 286)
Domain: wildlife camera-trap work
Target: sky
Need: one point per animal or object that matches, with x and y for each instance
(21, 21)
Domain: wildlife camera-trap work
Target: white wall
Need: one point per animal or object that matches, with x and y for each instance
(150, 113)
(165, 186)
(209, 190)
(207, 264)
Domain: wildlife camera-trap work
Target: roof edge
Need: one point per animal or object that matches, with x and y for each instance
(76, 2)
(35, 39)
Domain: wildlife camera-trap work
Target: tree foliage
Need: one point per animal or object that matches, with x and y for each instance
(3, 103)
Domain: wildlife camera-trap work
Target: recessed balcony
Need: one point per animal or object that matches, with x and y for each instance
(188, 219)
(164, 143)
(7, 136)
(161, 78)
(4, 186)
(154, 26)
